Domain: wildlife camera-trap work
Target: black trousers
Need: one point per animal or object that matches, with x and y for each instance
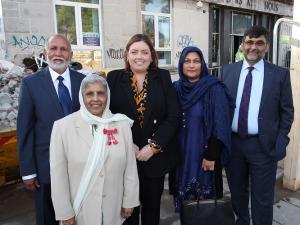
(151, 190)
(43, 205)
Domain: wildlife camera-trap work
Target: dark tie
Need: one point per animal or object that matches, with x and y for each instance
(64, 96)
(244, 105)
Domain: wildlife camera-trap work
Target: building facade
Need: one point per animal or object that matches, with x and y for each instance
(100, 29)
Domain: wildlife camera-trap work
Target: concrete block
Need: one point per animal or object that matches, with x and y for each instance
(17, 1)
(42, 25)
(16, 25)
(11, 13)
(37, 10)
(8, 4)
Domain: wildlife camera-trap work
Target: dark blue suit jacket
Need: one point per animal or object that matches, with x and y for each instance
(276, 112)
(39, 107)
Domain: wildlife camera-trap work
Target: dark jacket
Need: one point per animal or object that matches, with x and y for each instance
(39, 107)
(276, 111)
(161, 117)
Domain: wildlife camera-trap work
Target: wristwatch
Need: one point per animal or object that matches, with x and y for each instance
(154, 146)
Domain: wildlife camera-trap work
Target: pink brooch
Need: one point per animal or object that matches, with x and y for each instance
(110, 136)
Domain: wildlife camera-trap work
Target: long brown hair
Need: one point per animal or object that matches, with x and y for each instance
(147, 40)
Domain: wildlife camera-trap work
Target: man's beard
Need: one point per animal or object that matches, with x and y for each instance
(58, 66)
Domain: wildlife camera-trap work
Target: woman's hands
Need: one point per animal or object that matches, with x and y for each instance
(69, 221)
(136, 149)
(126, 212)
(208, 165)
(145, 153)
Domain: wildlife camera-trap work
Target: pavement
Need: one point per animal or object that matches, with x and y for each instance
(17, 208)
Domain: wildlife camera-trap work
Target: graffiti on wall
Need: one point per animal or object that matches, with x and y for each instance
(184, 40)
(115, 53)
(29, 42)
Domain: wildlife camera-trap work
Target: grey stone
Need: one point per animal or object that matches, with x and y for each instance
(12, 84)
(11, 116)
(12, 124)
(15, 104)
(15, 71)
(5, 107)
(5, 89)
(5, 98)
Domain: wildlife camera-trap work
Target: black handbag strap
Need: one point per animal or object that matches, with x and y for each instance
(214, 190)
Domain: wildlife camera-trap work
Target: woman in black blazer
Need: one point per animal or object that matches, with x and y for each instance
(145, 93)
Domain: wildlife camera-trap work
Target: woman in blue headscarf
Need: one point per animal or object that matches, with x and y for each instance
(205, 130)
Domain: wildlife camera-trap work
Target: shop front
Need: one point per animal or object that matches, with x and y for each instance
(230, 18)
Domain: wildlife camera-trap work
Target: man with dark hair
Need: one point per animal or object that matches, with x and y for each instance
(45, 96)
(261, 122)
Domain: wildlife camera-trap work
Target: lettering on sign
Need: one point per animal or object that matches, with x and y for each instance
(249, 3)
(239, 2)
(271, 6)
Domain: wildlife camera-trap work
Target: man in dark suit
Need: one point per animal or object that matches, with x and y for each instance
(45, 96)
(262, 119)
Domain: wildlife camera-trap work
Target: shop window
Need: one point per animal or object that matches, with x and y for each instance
(156, 23)
(78, 20)
(240, 22)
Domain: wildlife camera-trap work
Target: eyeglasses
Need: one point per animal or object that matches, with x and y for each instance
(189, 61)
(257, 43)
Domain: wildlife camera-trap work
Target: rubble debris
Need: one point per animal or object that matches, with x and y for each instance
(10, 79)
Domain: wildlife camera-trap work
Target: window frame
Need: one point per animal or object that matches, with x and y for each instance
(216, 34)
(78, 22)
(156, 15)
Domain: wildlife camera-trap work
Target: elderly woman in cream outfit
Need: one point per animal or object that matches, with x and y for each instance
(94, 177)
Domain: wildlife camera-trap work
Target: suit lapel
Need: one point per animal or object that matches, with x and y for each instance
(152, 83)
(235, 79)
(50, 91)
(126, 86)
(267, 83)
(83, 130)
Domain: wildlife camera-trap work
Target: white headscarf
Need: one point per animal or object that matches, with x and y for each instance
(98, 152)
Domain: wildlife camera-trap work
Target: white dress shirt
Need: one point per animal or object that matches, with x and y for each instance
(67, 83)
(255, 97)
(66, 80)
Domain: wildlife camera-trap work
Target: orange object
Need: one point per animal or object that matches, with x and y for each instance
(9, 163)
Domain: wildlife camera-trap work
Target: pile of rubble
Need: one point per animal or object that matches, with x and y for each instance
(10, 79)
